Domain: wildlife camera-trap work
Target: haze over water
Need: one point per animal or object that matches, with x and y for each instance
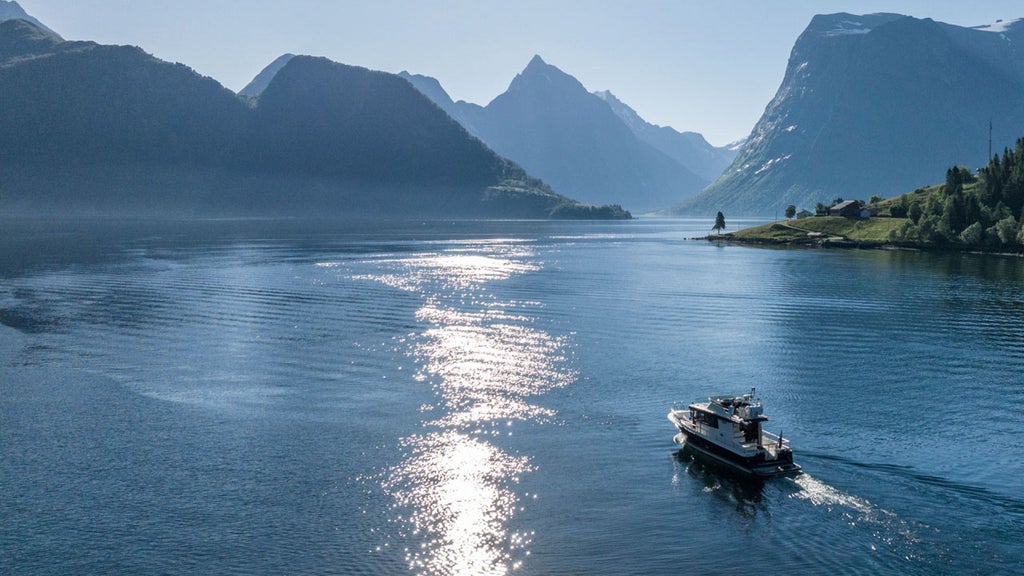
(490, 398)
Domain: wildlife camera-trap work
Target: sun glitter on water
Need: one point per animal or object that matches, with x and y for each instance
(454, 491)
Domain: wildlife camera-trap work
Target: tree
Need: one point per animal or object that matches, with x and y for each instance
(972, 234)
(915, 211)
(719, 223)
(1007, 229)
(1020, 236)
(875, 199)
(790, 211)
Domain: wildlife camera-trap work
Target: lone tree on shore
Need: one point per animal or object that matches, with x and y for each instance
(790, 211)
(719, 223)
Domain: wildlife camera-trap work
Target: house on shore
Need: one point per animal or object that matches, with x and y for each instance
(804, 213)
(850, 209)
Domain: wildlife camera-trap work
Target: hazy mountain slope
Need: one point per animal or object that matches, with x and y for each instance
(874, 104)
(688, 148)
(556, 129)
(111, 129)
(10, 10)
(260, 82)
(84, 101)
(551, 125)
(468, 114)
(23, 40)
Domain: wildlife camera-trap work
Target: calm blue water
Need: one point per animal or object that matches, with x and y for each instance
(490, 398)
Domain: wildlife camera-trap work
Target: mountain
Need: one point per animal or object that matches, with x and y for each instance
(258, 84)
(467, 113)
(556, 129)
(687, 148)
(10, 10)
(110, 129)
(875, 105)
(432, 89)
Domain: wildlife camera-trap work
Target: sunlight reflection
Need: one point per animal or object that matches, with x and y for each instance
(488, 366)
(454, 490)
(457, 488)
(452, 271)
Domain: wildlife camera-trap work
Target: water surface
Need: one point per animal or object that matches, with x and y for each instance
(490, 398)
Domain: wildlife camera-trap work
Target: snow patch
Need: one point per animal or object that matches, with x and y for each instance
(772, 162)
(735, 146)
(847, 27)
(999, 26)
(791, 127)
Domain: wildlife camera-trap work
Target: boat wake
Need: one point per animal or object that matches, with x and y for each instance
(821, 494)
(979, 494)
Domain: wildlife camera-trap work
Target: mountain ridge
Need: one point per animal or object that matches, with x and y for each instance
(259, 83)
(154, 137)
(548, 122)
(873, 105)
(11, 10)
(689, 149)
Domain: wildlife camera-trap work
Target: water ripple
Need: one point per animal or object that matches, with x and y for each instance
(486, 359)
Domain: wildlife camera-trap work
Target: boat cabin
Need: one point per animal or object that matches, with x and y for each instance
(734, 420)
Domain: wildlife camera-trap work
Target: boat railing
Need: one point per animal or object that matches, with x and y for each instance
(775, 439)
(680, 407)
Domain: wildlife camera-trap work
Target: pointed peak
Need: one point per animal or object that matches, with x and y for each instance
(539, 73)
(538, 66)
(282, 59)
(11, 10)
(262, 80)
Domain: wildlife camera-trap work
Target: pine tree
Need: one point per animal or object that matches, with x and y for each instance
(719, 223)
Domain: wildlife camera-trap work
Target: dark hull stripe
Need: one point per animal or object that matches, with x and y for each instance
(756, 465)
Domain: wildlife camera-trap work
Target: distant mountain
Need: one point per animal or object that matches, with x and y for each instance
(262, 80)
(555, 128)
(687, 148)
(467, 114)
(11, 10)
(432, 89)
(111, 129)
(875, 105)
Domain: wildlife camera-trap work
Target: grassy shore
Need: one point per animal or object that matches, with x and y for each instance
(821, 230)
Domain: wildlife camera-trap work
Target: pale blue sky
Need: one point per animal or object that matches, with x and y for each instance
(710, 65)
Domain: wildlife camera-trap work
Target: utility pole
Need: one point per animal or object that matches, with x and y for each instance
(989, 159)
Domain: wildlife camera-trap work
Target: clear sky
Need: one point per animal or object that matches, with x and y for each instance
(710, 66)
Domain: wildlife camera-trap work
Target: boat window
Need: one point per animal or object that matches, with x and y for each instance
(708, 419)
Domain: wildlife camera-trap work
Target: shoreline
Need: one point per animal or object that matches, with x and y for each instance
(847, 244)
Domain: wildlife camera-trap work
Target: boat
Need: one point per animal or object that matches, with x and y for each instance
(728, 429)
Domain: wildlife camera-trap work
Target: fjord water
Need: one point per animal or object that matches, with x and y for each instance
(490, 397)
